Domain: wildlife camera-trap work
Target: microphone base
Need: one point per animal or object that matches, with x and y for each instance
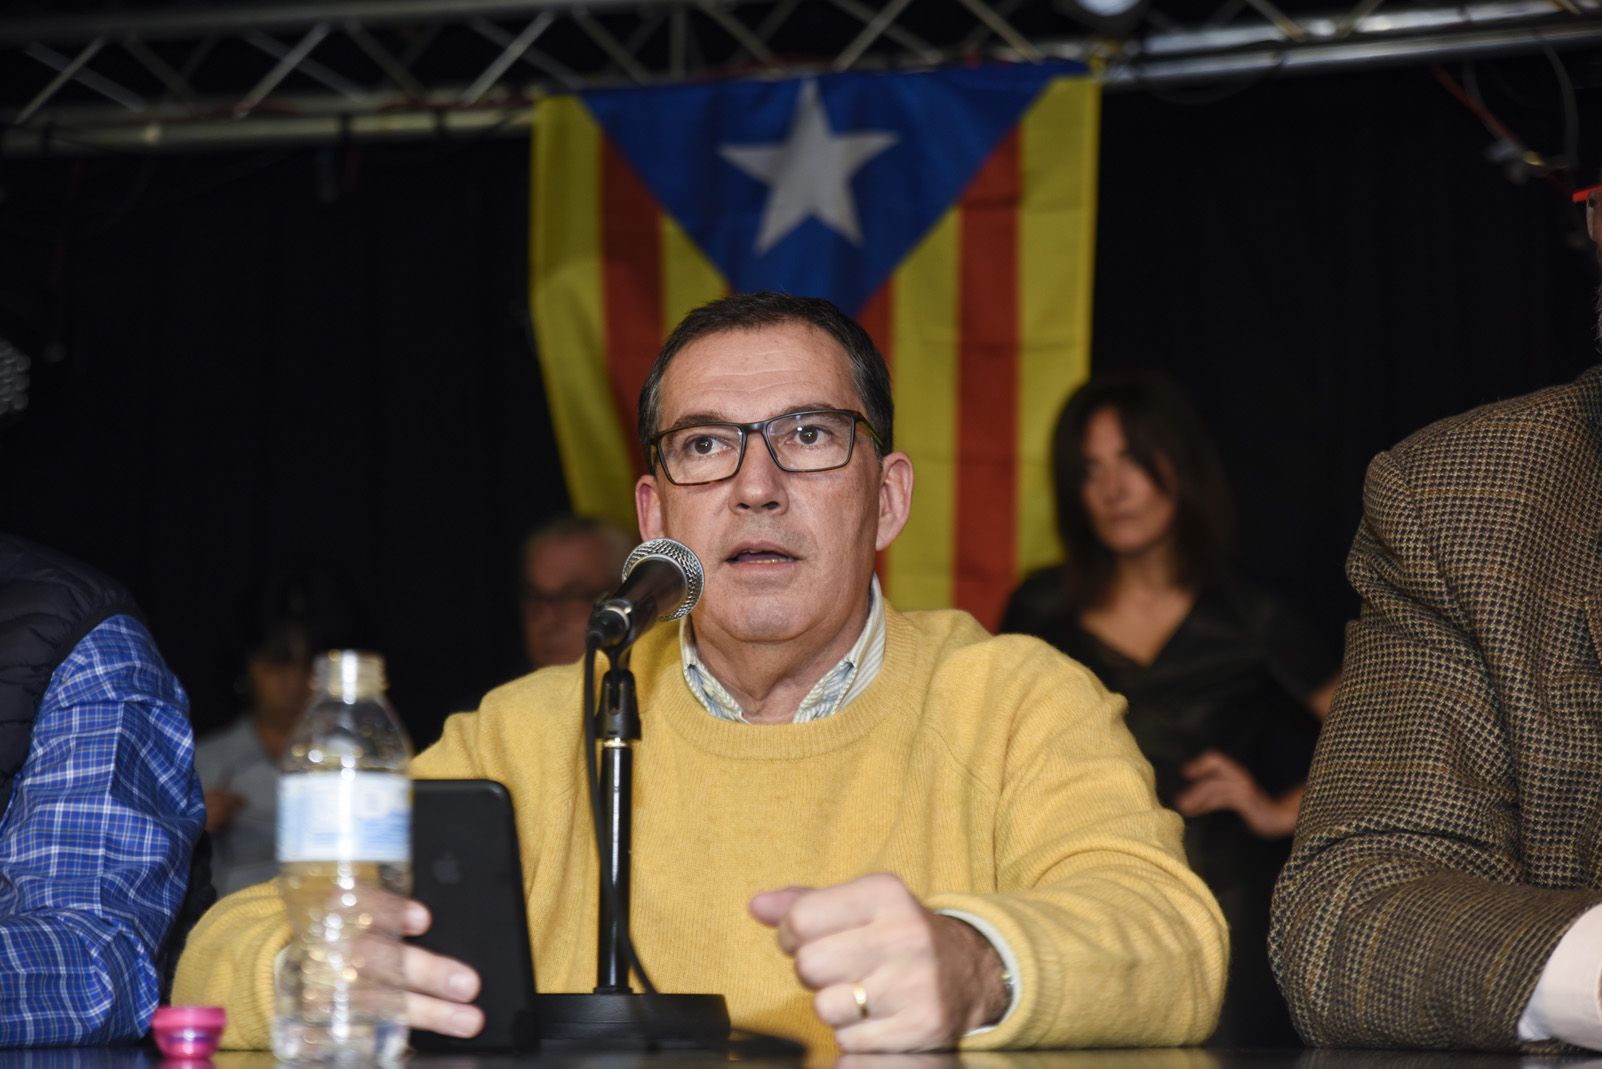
(630, 1021)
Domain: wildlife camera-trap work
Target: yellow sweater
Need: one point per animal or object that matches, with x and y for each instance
(993, 775)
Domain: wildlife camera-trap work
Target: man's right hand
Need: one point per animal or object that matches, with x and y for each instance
(438, 989)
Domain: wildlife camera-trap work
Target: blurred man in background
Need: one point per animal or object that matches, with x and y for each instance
(568, 563)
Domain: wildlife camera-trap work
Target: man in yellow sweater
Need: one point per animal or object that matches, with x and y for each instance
(869, 829)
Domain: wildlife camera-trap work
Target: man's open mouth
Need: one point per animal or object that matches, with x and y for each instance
(761, 556)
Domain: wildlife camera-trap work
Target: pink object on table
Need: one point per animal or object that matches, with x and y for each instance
(188, 1031)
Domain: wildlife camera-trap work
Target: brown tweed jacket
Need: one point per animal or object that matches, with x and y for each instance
(1452, 826)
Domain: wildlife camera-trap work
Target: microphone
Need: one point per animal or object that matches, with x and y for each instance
(661, 580)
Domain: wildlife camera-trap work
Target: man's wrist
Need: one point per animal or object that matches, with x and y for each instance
(1007, 992)
(996, 987)
(1008, 980)
(988, 977)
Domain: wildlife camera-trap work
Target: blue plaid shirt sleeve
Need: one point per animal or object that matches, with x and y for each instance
(95, 845)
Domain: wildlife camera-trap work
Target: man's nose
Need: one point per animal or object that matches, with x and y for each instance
(760, 483)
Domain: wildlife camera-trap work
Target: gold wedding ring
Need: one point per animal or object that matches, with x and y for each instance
(860, 994)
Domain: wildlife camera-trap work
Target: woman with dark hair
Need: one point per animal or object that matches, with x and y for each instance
(284, 621)
(1225, 686)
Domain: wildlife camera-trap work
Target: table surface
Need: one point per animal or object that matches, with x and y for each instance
(1187, 1058)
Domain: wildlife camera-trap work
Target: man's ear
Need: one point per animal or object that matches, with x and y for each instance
(648, 507)
(895, 498)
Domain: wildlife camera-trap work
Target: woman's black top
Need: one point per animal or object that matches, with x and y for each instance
(1233, 677)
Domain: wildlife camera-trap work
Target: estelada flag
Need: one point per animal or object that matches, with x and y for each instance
(952, 212)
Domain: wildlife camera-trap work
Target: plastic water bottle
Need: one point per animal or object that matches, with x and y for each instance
(344, 847)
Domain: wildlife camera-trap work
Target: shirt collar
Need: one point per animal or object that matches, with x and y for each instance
(838, 687)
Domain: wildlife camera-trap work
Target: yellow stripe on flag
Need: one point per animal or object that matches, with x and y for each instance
(688, 278)
(565, 296)
(923, 333)
(1056, 247)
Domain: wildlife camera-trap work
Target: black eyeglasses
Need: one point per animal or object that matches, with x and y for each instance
(818, 439)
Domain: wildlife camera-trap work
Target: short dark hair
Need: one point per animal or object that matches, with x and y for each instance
(1167, 439)
(571, 525)
(293, 613)
(753, 311)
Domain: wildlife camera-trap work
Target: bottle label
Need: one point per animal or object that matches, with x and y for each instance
(344, 816)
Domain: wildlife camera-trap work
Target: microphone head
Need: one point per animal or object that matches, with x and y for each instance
(680, 556)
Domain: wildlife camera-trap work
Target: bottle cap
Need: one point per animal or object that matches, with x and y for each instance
(188, 1031)
(349, 674)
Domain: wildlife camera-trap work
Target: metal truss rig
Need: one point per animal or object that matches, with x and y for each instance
(276, 72)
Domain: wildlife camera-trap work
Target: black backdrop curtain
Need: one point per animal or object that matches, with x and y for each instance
(259, 376)
(322, 357)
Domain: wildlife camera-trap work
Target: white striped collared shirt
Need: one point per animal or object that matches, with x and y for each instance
(838, 687)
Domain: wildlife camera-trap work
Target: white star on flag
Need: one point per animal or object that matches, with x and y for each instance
(809, 173)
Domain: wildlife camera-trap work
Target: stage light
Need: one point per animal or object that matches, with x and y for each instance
(1110, 18)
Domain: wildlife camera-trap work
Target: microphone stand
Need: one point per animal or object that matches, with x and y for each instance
(618, 729)
(614, 1016)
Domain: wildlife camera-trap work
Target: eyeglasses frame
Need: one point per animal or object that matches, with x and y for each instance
(760, 428)
(1591, 198)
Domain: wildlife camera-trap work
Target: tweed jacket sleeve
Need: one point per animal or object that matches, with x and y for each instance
(1416, 909)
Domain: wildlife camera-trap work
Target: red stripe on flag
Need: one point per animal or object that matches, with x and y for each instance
(987, 386)
(875, 319)
(631, 285)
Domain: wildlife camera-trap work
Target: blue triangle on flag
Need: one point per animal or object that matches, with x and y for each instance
(817, 186)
